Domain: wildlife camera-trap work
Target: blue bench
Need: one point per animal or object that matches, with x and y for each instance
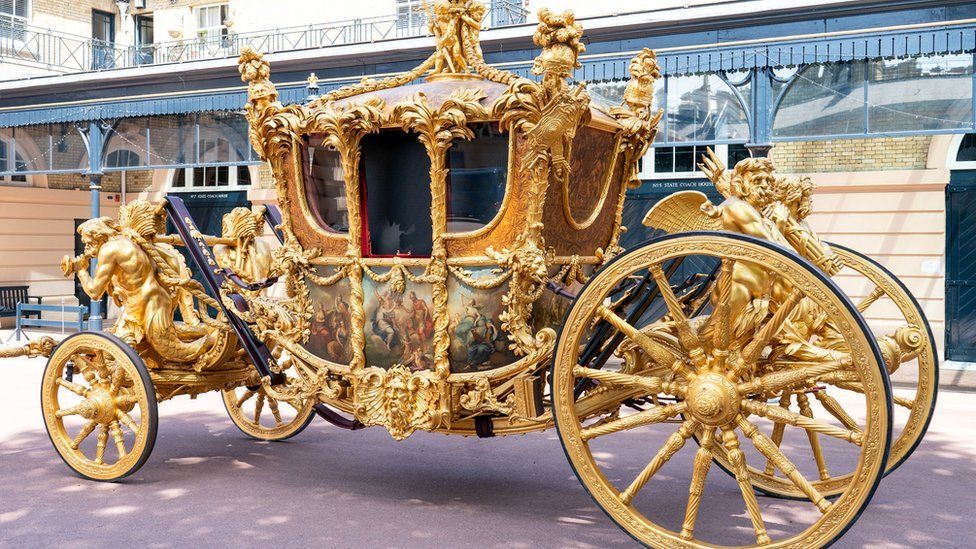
(26, 310)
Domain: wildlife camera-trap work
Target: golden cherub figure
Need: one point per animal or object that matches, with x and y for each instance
(250, 257)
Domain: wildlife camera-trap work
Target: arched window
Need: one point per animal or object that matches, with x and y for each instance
(967, 149)
(122, 158)
(11, 162)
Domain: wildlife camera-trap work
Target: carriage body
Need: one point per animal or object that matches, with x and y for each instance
(436, 230)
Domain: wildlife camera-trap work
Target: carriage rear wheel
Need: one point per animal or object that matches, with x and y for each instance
(876, 291)
(99, 406)
(699, 365)
(260, 416)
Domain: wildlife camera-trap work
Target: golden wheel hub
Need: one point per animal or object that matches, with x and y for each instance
(713, 400)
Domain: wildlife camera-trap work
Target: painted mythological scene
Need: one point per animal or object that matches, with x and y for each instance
(399, 326)
(477, 340)
(329, 328)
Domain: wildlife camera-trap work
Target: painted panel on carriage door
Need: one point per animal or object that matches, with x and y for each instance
(399, 326)
(329, 328)
(961, 266)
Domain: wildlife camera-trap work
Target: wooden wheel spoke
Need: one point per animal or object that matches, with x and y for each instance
(258, 406)
(118, 437)
(102, 443)
(126, 419)
(791, 377)
(73, 387)
(767, 331)
(722, 315)
(671, 447)
(245, 397)
(868, 300)
(653, 384)
(778, 430)
(835, 409)
(273, 405)
(903, 402)
(804, 404)
(657, 352)
(83, 434)
(782, 415)
(737, 459)
(699, 472)
(771, 452)
(118, 377)
(653, 415)
(85, 408)
(686, 335)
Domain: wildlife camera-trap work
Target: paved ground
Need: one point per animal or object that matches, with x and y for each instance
(208, 485)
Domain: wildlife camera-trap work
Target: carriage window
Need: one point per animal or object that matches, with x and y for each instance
(476, 180)
(395, 182)
(325, 188)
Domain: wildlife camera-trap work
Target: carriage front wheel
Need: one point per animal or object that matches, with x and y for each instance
(707, 360)
(99, 406)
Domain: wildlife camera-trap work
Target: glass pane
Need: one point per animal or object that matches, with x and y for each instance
(179, 178)
(663, 159)
(477, 175)
(325, 187)
(68, 150)
(231, 129)
(125, 136)
(396, 175)
(923, 93)
(823, 100)
(704, 108)
(737, 152)
(172, 140)
(33, 144)
(684, 159)
(243, 175)
(610, 93)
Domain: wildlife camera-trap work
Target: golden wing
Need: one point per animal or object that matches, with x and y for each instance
(682, 212)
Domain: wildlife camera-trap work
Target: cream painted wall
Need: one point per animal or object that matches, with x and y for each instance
(898, 218)
(36, 230)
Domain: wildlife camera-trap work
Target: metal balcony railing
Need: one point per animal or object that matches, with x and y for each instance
(24, 44)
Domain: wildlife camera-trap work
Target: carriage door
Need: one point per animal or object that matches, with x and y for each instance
(961, 266)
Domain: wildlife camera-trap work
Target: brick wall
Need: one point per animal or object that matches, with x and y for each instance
(852, 155)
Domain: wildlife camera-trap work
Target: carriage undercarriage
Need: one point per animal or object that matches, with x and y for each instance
(737, 328)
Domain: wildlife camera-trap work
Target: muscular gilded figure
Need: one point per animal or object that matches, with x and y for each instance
(143, 277)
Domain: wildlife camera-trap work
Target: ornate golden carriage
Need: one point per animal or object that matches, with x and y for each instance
(437, 229)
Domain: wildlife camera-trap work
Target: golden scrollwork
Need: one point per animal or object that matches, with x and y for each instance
(42, 346)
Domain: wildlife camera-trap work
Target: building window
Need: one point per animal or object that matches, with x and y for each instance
(211, 178)
(967, 149)
(144, 38)
(210, 21)
(122, 158)
(8, 164)
(14, 9)
(411, 16)
(682, 162)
